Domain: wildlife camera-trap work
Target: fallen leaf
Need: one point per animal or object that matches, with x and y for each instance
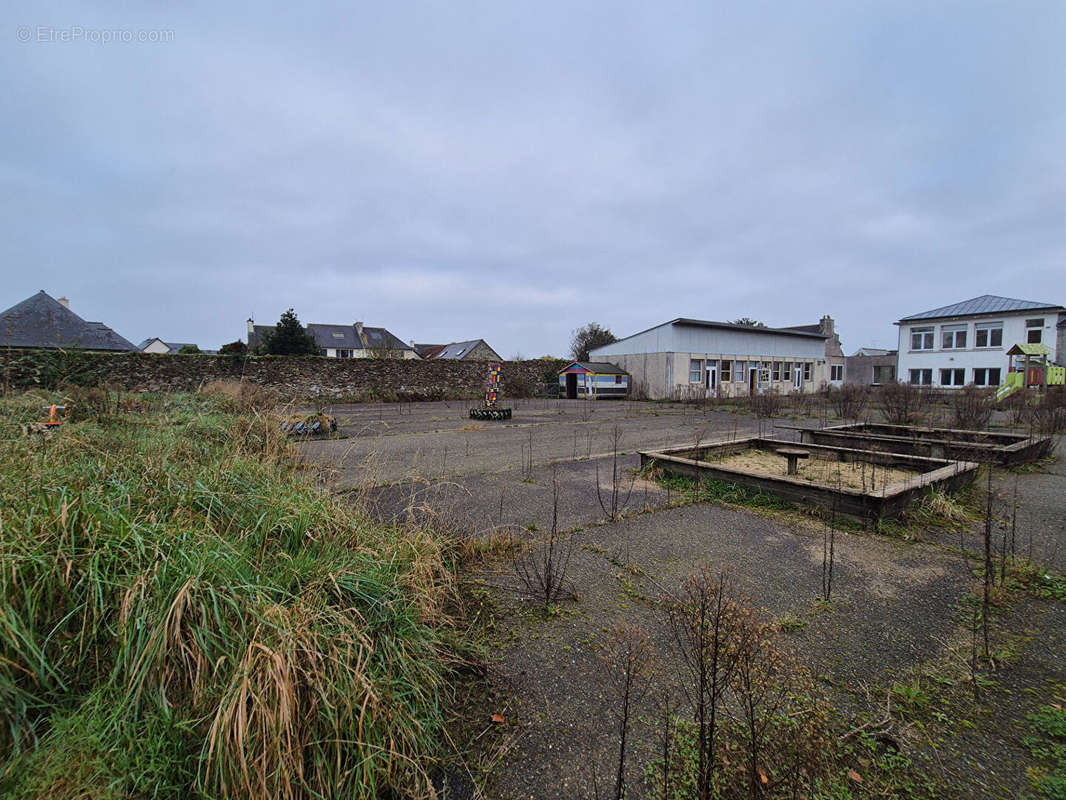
(497, 718)
(864, 762)
(854, 776)
(762, 776)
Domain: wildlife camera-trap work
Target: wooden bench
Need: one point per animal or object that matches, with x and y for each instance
(793, 454)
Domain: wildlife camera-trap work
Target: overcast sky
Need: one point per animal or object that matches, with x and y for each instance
(511, 171)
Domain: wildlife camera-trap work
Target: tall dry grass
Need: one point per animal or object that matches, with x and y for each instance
(182, 613)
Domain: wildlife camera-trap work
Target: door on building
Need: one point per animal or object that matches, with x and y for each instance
(797, 377)
(571, 386)
(753, 379)
(712, 378)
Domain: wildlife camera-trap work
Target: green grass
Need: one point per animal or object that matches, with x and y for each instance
(1048, 743)
(183, 613)
(712, 491)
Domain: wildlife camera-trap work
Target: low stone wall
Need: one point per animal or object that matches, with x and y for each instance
(298, 378)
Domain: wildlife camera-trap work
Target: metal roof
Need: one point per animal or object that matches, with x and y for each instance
(704, 323)
(42, 321)
(985, 304)
(596, 367)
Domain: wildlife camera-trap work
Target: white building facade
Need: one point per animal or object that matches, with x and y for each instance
(691, 359)
(967, 342)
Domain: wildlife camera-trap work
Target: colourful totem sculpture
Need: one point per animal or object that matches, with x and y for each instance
(491, 409)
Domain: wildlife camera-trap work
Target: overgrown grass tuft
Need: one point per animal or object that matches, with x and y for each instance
(184, 614)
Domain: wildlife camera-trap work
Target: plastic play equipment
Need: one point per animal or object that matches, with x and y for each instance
(491, 409)
(1032, 372)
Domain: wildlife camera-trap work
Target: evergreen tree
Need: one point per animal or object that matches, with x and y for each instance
(289, 338)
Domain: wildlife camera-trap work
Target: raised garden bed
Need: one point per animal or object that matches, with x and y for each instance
(1005, 449)
(866, 484)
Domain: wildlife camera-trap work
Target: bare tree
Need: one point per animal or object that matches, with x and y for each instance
(614, 504)
(625, 660)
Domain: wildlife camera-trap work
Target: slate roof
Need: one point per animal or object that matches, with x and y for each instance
(42, 321)
(597, 367)
(985, 304)
(458, 350)
(344, 337)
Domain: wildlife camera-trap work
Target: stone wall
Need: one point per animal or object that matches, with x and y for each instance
(301, 378)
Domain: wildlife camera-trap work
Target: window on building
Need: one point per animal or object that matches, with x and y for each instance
(727, 370)
(738, 375)
(777, 371)
(988, 334)
(344, 354)
(952, 377)
(836, 372)
(953, 337)
(786, 371)
(922, 338)
(695, 370)
(1034, 330)
(617, 378)
(806, 370)
(986, 376)
(338, 335)
(922, 377)
(885, 374)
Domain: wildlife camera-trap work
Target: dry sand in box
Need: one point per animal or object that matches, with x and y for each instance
(852, 475)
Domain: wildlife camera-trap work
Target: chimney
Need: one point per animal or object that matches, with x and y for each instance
(251, 325)
(359, 332)
(827, 325)
(64, 302)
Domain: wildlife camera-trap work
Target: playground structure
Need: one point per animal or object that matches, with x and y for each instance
(1029, 369)
(491, 409)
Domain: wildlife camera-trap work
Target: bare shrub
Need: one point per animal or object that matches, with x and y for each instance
(972, 407)
(1050, 415)
(1017, 406)
(749, 695)
(848, 401)
(625, 661)
(241, 395)
(802, 402)
(710, 632)
(542, 568)
(766, 405)
(902, 403)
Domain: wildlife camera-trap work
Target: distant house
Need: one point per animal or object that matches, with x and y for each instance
(870, 366)
(968, 342)
(41, 321)
(168, 348)
(592, 380)
(692, 358)
(474, 350)
(345, 341)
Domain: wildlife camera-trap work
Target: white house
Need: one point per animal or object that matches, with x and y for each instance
(690, 358)
(345, 341)
(967, 342)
